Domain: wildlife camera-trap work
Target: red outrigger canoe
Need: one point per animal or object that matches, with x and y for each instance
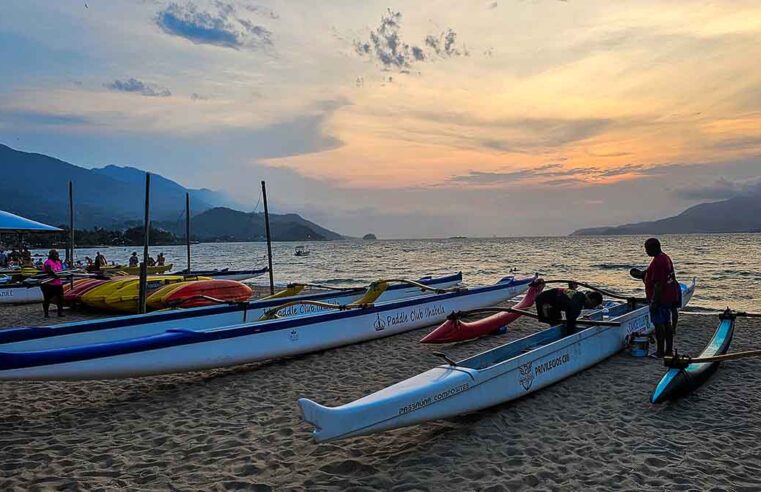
(455, 330)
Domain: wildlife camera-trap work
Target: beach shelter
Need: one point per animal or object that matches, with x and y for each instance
(13, 223)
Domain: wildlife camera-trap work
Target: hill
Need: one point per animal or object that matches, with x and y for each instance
(223, 223)
(738, 214)
(112, 197)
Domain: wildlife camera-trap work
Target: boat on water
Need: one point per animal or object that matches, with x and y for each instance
(301, 251)
(680, 381)
(183, 349)
(226, 273)
(109, 329)
(499, 375)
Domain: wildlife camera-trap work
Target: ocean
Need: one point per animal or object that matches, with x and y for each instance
(726, 265)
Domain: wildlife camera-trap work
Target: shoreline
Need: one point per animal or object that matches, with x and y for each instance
(239, 428)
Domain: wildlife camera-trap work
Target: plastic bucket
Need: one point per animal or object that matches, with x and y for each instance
(639, 346)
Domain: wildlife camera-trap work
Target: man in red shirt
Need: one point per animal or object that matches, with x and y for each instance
(664, 295)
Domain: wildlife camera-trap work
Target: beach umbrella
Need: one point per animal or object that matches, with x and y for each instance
(13, 223)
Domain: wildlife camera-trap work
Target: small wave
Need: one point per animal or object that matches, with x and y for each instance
(614, 266)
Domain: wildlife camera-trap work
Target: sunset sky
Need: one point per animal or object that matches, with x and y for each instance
(406, 119)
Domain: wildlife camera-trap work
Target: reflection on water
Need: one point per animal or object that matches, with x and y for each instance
(727, 266)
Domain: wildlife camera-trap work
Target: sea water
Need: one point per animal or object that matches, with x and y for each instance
(728, 266)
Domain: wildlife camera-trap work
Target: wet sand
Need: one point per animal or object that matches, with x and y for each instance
(240, 429)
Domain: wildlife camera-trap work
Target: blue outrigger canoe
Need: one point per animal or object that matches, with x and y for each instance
(678, 382)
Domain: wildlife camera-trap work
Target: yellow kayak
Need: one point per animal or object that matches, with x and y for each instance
(125, 299)
(96, 298)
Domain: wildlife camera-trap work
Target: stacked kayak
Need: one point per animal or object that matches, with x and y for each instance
(122, 294)
(41, 355)
(72, 296)
(201, 293)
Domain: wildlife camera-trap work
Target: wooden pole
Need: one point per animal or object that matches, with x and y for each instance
(146, 230)
(269, 239)
(71, 229)
(187, 226)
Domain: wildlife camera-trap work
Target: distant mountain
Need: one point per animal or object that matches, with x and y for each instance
(112, 197)
(232, 225)
(739, 214)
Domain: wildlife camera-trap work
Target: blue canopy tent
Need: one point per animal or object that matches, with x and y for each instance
(13, 223)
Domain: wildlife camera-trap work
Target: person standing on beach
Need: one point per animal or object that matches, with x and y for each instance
(550, 305)
(53, 289)
(663, 294)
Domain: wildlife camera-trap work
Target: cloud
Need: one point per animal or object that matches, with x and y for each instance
(37, 118)
(219, 28)
(134, 85)
(721, 189)
(492, 5)
(387, 47)
(555, 174)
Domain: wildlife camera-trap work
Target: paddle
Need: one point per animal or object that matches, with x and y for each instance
(459, 314)
(614, 295)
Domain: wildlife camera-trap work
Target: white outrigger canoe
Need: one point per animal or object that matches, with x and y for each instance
(19, 293)
(183, 349)
(28, 338)
(496, 376)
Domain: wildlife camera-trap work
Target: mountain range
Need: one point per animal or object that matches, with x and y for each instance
(738, 214)
(112, 197)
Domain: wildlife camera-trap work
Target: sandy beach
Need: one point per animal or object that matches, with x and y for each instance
(239, 428)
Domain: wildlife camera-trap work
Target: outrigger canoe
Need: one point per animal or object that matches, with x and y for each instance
(106, 330)
(496, 376)
(226, 274)
(678, 382)
(182, 349)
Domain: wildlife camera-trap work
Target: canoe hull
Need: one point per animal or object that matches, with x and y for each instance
(497, 376)
(19, 294)
(677, 383)
(106, 330)
(247, 343)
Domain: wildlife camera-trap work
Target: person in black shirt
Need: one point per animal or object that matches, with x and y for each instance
(550, 305)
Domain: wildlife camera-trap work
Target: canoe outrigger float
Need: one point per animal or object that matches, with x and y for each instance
(105, 330)
(496, 376)
(679, 381)
(183, 349)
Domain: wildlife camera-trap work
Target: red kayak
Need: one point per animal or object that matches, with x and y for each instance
(193, 294)
(458, 331)
(74, 296)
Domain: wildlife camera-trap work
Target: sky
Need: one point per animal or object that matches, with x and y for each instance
(405, 119)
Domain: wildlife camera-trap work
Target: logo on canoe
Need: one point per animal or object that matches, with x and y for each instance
(527, 375)
(294, 335)
(379, 324)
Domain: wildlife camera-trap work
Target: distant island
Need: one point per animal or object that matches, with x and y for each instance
(738, 214)
(369, 237)
(109, 202)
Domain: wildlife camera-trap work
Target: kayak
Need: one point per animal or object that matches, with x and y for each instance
(106, 330)
(126, 298)
(73, 296)
(226, 274)
(455, 330)
(680, 382)
(191, 294)
(499, 375)
(181, 349)
(155, 299)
